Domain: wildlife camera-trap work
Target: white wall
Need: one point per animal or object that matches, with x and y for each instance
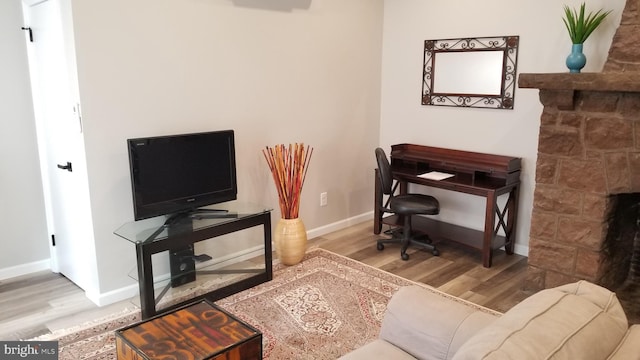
(24, 244)
(544, 46)
(309, 72)
(276, 72)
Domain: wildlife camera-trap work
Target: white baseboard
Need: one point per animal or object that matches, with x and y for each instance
(25, 269)
(113, 296)
(521, 250)
(127, 292)
(339, 225)
(130, 291)
(323, 230)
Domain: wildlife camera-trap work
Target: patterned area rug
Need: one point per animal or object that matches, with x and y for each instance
(321, 308)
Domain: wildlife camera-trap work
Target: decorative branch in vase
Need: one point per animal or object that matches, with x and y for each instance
(289, 167)
(580, 27)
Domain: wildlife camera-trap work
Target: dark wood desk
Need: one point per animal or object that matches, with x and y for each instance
(478, 174)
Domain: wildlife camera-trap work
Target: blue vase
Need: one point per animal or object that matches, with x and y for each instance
(576, 60)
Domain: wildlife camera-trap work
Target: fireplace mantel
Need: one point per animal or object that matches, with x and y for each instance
(603, 81)
(559, 89)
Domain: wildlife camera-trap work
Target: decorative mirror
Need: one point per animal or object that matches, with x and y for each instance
(470, 72)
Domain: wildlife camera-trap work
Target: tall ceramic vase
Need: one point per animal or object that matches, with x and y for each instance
(290, 240)
(576, 60)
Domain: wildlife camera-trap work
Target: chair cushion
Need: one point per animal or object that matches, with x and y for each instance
(377, 349)
(575, 321)
(629, 347)
(429, 324)
(409, 204)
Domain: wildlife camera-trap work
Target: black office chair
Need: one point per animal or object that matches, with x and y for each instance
(405, 205)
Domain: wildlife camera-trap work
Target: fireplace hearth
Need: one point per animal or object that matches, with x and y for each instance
(588, 173)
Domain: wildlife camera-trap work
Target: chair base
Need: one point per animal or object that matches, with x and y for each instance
(398, 238)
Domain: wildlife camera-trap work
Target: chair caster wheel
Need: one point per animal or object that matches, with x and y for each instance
(404, 256)
(380, 247)
(435, 252)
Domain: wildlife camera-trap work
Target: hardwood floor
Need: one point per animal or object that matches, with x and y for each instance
(457, 271)
(39, 303)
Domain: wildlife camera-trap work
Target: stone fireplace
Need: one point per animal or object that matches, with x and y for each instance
(588, 162)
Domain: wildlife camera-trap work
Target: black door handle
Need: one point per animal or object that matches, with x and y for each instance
(66, 167)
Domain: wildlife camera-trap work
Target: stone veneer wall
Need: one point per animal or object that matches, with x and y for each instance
(589, 148)
(624, 53)
(584, 155)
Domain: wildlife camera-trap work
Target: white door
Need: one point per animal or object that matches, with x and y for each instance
(61, 145)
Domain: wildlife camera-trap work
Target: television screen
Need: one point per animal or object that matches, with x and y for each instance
(180, 173)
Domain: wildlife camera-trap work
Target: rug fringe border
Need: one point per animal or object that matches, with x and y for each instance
(59, 333)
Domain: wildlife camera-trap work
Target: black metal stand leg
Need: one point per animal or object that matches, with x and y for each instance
(145, 283)
(268, 253)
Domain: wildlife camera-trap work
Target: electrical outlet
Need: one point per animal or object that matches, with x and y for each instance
(323, 199)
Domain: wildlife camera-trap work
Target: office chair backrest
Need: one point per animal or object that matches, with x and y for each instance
(384, 171)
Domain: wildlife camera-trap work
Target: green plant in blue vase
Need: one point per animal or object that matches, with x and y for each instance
(580, 26)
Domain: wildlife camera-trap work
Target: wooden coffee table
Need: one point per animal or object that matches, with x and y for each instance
(196, 332)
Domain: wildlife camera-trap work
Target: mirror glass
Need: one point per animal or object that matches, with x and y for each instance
(457, 72)
(470, 72)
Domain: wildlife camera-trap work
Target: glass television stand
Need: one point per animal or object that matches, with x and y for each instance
(205, 254)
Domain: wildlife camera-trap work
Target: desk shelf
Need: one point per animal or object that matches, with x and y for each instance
(440, 231)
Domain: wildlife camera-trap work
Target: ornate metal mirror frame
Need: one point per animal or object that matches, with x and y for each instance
(470, 72)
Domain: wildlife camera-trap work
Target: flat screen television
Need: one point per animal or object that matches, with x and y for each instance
(180, 173)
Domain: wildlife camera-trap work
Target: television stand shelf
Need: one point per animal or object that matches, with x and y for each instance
(189, 276)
